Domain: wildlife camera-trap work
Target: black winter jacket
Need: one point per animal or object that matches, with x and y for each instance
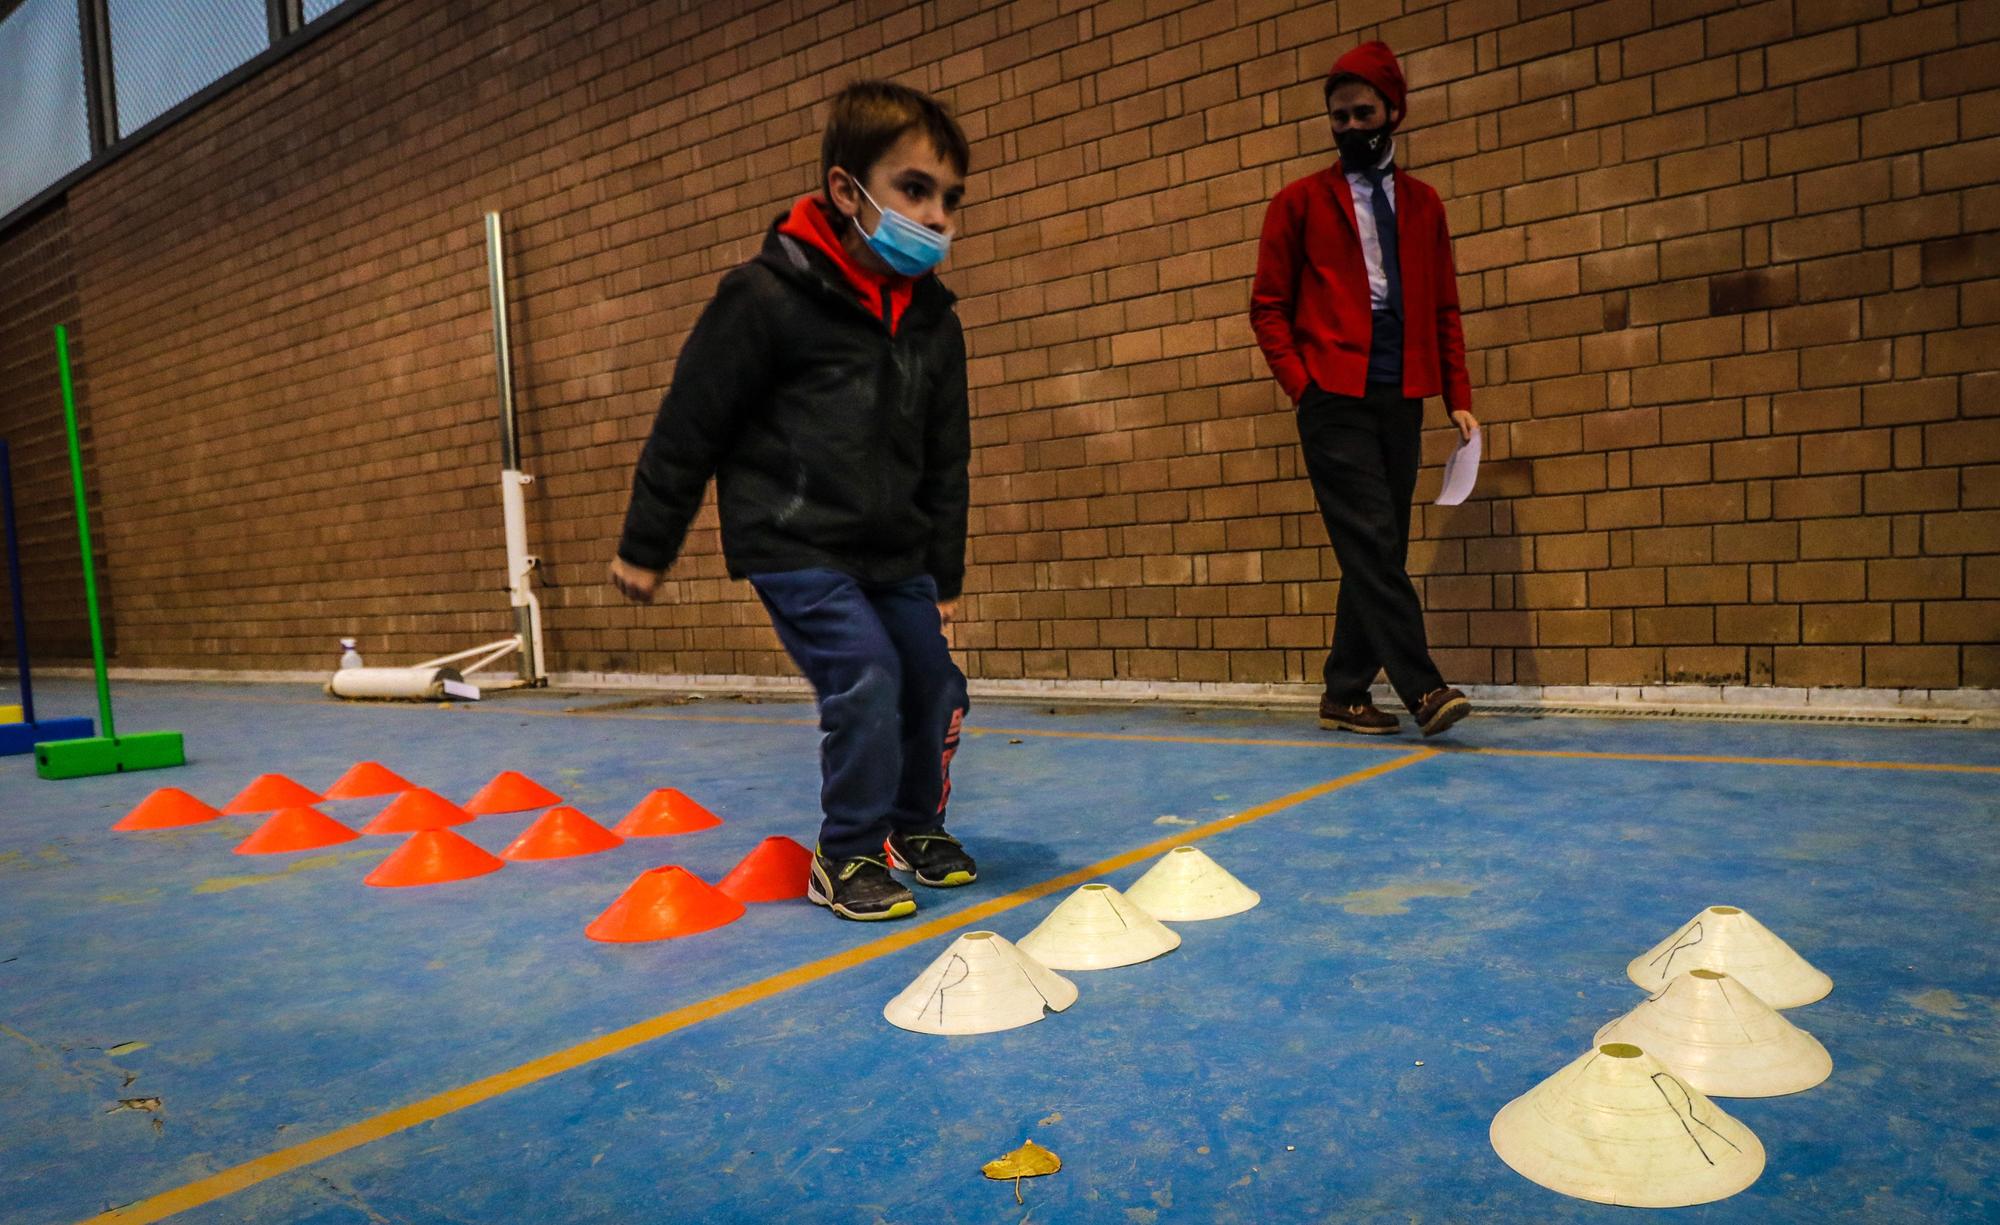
(832, 443)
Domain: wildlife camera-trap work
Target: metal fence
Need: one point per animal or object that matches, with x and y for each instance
(81, 78)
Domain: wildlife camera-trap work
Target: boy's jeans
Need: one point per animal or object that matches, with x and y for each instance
(890, 700)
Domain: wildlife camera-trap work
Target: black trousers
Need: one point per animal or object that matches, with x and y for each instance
(1362, 454)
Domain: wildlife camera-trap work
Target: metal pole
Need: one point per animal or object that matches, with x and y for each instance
(496, 285)
(83, 534)
(520, 564)
(14, 586)
(284, 18)
(99, 89)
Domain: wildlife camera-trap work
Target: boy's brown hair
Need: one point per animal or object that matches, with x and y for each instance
(869, 117)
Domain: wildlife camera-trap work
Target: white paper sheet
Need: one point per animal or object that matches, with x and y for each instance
(1461, 472)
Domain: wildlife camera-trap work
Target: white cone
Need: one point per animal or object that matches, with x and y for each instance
(981, 984)
(1719, 1037)
(1186, 885)
(1727, 939)
(1096, 928)
(1617, 1127)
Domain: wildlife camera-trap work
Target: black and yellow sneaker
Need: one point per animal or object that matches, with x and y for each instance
(858, 888)
(937, 859)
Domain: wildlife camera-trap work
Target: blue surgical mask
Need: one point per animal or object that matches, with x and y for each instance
(905, 246)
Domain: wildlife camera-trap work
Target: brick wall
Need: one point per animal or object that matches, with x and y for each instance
(38, 291)
(1731, 274)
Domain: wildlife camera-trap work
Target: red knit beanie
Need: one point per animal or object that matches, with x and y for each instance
(1375, 65)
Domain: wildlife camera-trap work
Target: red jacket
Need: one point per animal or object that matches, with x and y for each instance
(1309, 304)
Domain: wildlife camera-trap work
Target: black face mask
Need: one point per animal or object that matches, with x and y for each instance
(1361, 148)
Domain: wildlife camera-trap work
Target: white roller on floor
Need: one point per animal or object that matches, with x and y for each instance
(979, 985)
(1726, 938)
(1719, 1037)
(1616, 1127)
(1097, 928)
(1185, 885)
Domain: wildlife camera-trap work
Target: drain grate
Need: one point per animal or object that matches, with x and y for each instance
(1959, 718)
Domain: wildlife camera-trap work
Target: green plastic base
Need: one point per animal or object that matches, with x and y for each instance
(107, 755)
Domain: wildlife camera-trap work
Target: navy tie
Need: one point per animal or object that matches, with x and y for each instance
(1385, 237)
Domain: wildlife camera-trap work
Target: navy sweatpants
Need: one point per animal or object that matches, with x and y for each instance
(891, 700)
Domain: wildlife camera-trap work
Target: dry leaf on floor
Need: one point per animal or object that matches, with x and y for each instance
(1030, 1160)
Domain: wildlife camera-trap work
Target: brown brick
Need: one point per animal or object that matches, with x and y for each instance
(1625, 666)
(1671, 465)
(1631, 508)
(1947, 260)
(1674, 626)
(1912, 667)
(1816, 667)
(1851, 93)
(1964, 532)
(1847, 623)
(1767, 541)
(1582, 627)
(1802, 59)
(1846, 451)
(1755, 289)
(1813, 237)
(1694, 665)
(1707, 584)
(1821, 539)
(1826, 409)
(1816, 497)
(1820, 581)
(1901, 403)
(1844, 276)
(1896, 492)
(1757, 623)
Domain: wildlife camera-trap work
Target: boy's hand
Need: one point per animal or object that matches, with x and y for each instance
(635, 583)
(1467, 424)
(947, 609)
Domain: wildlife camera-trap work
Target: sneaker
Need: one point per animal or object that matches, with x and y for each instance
(858, 888)
(1364, 717)
(937, 859)
(1440, 708)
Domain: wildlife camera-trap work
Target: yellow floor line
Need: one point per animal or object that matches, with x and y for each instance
(271, 1165)
(1718, 760)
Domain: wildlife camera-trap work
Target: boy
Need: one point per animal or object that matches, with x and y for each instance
(824, 389)
(1355, 305)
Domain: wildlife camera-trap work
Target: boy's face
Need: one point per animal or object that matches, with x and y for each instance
(1355, 105)
(912, 178)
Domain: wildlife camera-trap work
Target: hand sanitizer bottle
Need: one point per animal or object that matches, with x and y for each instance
(349, 657)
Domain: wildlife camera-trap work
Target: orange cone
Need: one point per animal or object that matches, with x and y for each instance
(561, 833)
(664, 903)
(416, 809)
(664, 812)
(775, 872)
(431, 857)
(269, 793)
(165, 809)
(295, 829)
(510, 791)
(366, 779)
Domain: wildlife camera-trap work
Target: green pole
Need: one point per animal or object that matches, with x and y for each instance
(83, 533)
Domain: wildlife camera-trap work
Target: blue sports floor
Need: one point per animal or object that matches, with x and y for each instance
(1440, 931)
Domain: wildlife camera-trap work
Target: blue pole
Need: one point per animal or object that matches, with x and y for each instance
(14, 585)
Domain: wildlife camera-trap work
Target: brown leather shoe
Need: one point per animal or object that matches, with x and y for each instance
(1364, 717)
(1440, 708)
